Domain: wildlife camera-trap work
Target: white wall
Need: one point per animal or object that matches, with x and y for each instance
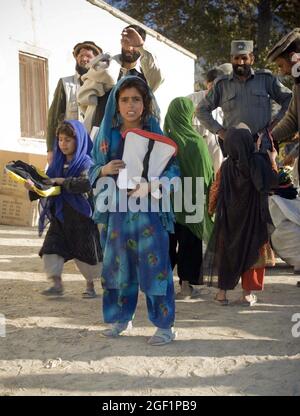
(50, 28)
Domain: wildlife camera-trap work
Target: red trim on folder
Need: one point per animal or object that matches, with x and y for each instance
(152, 136)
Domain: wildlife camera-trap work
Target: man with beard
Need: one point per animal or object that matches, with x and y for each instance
(64, 105)
(244, 95)
(106, 70)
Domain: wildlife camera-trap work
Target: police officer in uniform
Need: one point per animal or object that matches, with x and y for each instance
(244, 95)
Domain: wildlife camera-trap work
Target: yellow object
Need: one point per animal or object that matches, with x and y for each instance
(53, 191)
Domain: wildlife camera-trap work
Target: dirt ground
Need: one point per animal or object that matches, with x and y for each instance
(53, 346)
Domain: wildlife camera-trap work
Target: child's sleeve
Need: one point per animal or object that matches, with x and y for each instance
(172, 169)
(79, 185)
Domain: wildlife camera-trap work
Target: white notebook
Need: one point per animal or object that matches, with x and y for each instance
(135, 150)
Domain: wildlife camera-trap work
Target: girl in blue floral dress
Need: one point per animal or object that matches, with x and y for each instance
(135, 244)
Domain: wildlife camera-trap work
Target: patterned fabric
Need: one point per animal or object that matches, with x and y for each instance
(135, 245)
(120, 305)
(108, 146)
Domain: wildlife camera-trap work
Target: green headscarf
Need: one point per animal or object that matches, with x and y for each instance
(194, 159)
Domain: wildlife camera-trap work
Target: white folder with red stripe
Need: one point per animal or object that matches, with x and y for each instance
(141, 159)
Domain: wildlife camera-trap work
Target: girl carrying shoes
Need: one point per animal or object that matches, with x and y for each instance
(72, 233)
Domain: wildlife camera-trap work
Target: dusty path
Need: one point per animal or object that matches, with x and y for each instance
(53, 346)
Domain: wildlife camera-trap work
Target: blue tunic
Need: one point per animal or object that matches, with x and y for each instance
(135, 244)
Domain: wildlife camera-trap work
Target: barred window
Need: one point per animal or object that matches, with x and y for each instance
(33, 95)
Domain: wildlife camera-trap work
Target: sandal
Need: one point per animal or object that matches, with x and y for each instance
(245, 302)
(162, 337)
(53, 291)
(222, 302)
(89, 294)
(116, 329)
(195, 294)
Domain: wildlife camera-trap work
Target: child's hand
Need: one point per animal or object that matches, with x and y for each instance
(113, 167)
(29, 185)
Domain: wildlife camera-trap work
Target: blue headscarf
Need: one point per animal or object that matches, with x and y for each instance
(104, 136)
(107, 133)
(81, 161)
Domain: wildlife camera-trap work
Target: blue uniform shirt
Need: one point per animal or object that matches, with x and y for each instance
(244, 101)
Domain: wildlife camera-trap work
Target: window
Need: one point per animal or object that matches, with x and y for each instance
(33, 95)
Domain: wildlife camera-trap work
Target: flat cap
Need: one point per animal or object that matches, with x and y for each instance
(88, 44)
(241, 47)
(283, 44)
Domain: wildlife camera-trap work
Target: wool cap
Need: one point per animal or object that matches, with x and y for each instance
(88, 44)
(283, 44)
